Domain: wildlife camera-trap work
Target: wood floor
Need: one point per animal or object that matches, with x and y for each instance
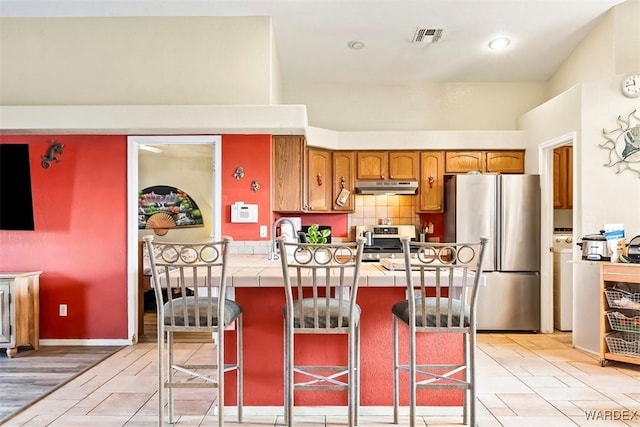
(33, 374)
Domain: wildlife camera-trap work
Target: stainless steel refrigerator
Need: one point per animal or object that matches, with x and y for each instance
(506, 208)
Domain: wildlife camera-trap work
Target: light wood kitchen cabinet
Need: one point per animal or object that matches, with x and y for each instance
(619, 313)
(484, 161)
(373, 164)
(404, 165)
(288, 173)
(344, 176)
(504, 161)
(563, 177)
(397, 165)
(19, 310)
(319, 180)
(463, 161)
(431, 186)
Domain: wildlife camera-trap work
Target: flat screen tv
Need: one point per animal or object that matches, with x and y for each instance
(16, 204)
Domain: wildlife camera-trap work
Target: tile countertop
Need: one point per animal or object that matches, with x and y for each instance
(258, 271)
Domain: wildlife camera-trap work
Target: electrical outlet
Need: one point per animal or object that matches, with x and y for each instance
(263, 231)
(62, 310)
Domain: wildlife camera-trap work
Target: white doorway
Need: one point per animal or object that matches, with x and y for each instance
(545, 166)
(189, 143)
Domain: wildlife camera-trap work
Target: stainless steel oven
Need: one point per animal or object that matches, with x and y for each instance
(385, 240)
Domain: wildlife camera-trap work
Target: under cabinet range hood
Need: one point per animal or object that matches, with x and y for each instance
(387, 187)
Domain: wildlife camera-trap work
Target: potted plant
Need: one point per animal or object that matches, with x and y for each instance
(316, 236)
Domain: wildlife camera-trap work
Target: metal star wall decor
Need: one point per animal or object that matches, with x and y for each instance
(623, 144)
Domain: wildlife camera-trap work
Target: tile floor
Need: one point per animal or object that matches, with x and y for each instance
(524, 380)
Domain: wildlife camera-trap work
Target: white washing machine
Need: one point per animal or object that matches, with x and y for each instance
(562, 281)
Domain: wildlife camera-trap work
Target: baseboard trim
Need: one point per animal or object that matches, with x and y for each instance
(87, 342)
(367, 411)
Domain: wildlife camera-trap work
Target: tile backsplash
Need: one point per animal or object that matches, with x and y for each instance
(370, 210)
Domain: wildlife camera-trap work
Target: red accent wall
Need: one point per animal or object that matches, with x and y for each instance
(80, 240)
(253, 153)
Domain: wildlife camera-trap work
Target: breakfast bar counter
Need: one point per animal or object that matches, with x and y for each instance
(258, 288)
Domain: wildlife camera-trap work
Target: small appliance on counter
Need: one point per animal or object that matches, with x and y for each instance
(633, 250)
(594, 247)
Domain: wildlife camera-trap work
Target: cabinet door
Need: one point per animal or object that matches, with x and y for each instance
(569, 177)
(344, 174)
(463, 161)
(404, 165)
(559, 176)
(563, 177)
(373, 165)
(288, 168)
(320, 183)
(5, 310)
(431, 181)
(504, 161)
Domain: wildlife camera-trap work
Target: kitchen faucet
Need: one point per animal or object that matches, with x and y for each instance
(273, 250)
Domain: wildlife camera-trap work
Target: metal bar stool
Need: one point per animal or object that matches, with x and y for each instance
(321, 286)
(442, 292)
(195, 278)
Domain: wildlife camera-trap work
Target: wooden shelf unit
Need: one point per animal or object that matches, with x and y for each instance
(610, 274)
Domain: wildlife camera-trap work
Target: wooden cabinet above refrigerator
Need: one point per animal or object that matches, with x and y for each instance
(484, 161)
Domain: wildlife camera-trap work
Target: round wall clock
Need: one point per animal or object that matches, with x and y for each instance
(630, 85)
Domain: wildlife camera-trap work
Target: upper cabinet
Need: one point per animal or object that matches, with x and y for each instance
(376, 165)
(404, 165)
(344, 176)
(311, 179)
(484, 161)
(430, 191)
(373, 164)
(288, 170)
(463, 161)
(319, 180)
(563, 177)
(504, 161)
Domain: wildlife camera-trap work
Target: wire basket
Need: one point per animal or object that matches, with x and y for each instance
(625, 343)
(619, 298)
(624, 320)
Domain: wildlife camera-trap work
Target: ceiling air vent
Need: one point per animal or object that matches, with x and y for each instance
(427, 35)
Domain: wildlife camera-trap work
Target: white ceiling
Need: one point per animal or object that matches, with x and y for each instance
(312, 35)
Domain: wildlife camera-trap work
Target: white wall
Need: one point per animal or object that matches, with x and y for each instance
(593, 58)
(606, 197)
(135, 61)
(556, 117)
(416, 107)
(612, 47)
(627, 36)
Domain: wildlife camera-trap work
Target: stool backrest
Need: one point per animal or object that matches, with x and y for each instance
(443, 282)
(321, 283)
(190, 273)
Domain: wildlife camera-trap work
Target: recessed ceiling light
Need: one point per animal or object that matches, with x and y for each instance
(499, 43)
(356, 44)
